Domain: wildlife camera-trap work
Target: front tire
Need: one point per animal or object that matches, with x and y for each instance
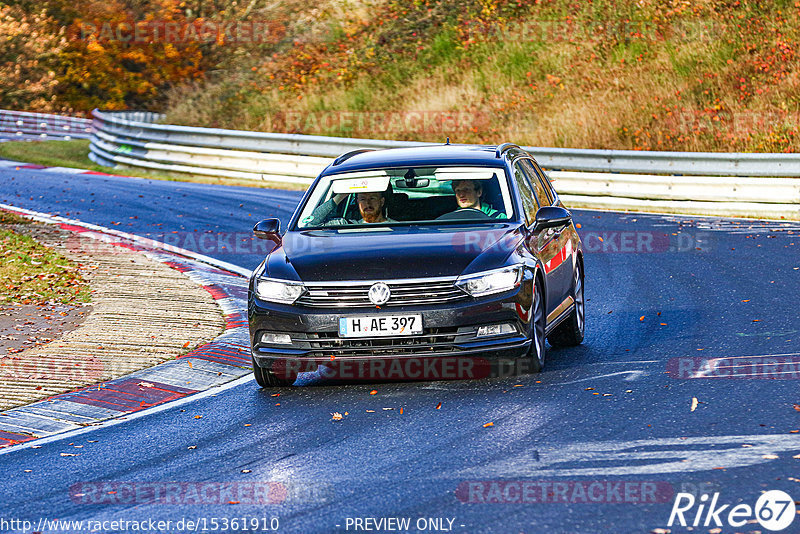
(537, 351)
(570, 332)
(267, 379)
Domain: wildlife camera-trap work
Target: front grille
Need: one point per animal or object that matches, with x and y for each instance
(434, 340)
(403, 293)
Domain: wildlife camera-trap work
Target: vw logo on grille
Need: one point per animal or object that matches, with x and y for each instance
(379, 293)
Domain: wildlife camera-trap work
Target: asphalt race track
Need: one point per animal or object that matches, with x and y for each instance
(607, 425)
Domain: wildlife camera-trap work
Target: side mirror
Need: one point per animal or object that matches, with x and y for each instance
(268, 229)
(551, 217)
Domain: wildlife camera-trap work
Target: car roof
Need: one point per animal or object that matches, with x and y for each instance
(423, 156)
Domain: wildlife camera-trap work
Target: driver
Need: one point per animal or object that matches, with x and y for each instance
(371, 206)
(468, 195)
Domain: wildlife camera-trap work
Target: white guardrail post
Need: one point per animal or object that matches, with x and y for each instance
(725, 184)
(25, 125)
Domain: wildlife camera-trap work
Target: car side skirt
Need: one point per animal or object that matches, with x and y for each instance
(558, 315)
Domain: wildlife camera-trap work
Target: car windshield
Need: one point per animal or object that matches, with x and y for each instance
(404, 195)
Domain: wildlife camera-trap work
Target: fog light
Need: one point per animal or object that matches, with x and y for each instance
(276, 339)
(496, 330)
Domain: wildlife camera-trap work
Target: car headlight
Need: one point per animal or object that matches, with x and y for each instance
(281, 291)
(489, 282)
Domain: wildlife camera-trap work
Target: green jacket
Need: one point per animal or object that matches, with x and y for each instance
(491, 212)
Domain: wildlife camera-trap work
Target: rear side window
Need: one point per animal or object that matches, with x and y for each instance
(539, 190)
(545, 182)
(526, 194)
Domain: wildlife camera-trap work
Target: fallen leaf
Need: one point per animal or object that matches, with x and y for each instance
(337, 416)
(694, 404)
(373, 392)
(487, 425)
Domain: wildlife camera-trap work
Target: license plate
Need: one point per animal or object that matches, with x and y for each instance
(380, 325)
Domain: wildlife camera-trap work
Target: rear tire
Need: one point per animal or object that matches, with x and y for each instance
(570, 332)
(538, 350)
(267, 379)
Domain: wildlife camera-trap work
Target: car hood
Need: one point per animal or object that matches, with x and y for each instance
(399, 252)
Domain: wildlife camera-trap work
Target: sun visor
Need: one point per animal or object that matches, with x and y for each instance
(372, 182)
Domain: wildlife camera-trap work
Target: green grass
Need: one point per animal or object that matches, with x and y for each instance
(74, 154)
(31, 273)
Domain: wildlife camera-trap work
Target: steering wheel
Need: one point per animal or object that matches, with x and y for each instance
(468, 214)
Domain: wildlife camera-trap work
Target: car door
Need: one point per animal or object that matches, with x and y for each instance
(555, 242)
(533, 240)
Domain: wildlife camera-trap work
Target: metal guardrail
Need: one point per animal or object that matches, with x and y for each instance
(24, 125)
(141, 126)
(751, 185)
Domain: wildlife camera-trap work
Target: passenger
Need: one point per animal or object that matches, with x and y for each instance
(468, 195)
(372, 207)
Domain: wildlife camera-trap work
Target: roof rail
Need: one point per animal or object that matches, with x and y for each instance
(345, 157)
(502, 148)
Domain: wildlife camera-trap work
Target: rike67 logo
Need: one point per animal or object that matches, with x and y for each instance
(774, 510)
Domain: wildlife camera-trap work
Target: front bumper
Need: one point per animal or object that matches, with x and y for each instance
(448, 347)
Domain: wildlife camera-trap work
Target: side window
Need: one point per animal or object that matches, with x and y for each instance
(525, 193)
(541, 194)
(545, 182)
